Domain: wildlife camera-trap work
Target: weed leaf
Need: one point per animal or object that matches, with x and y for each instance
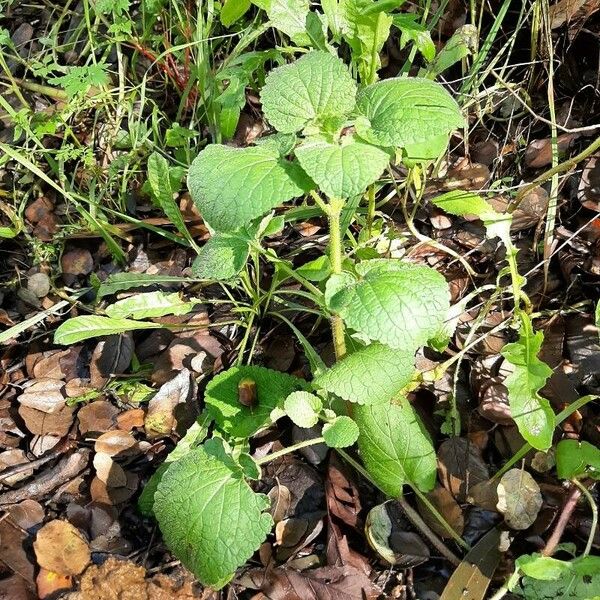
(209, 516)
(341, 432)
(313, 89)
(289, 16)
(342, 170)
(403, 111)
(395, 447)
(574, 459)
(120, 282)
(303, 408)
(532, 413)
(375, 373)
(149, 305)
(222, 398)
(233, 186)
(221, 258)
(85, 327)
(398, 304)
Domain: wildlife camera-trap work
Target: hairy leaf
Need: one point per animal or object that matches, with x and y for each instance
(222, 398)
(303, 408)
(395, 447)
(312, 89)
(85, 327)
(375, 373)
(342, 170)
(415, 32)
(532, 413)
(289, 16)
(398, 304)
(233, 186)
(403, 111)
(209, 516)
(221, 258)
(341, 432)
(149, 305)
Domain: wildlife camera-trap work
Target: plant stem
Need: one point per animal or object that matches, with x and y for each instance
(370, 209)
(594, 509)
(410, 512)
(335, 256)
(289, 450)
(434, 511)
(561, 523)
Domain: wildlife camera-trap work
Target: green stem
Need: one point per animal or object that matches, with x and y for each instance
(370, 209)
(335, 256)
(560, 417)
(289, 450)
(594, 509)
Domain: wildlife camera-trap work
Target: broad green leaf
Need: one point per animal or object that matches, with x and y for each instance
(532, 413)
(335, 12)
(282, 143)
(424, 152)
(160, 184)
(289, 16)
(221, 258)
(85, 327)
(209, 516)
(341, 432)
(395, 447)
(580, 582)
(222, 399)
(541, 567)
(233, 186)
(398, 304)
(149, 305)
(574, 459)
(315, 270)
(120, 282)
(415, 32)
(313, 89)
(344, 169)
(233, 10)
(194, 436)
(375, 373)
(403, 111)
(303, 408)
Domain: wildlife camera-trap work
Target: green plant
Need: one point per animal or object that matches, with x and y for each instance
(333, 141)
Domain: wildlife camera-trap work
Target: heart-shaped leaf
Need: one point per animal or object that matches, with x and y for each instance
(313, 89)
(342, 170)
(233, 186)
(209, 516)
(403, 111)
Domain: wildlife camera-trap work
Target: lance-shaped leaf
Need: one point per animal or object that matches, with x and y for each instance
(233, 186)
(344, 169)
(395, 447)
(532, 413)
(398, 304)
(223, 402)
(149, 305)
(375, 373)
(209, 516)
(85, 327)
(403, 111)
(313, 89)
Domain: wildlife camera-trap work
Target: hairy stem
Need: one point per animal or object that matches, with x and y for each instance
(335, 255)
